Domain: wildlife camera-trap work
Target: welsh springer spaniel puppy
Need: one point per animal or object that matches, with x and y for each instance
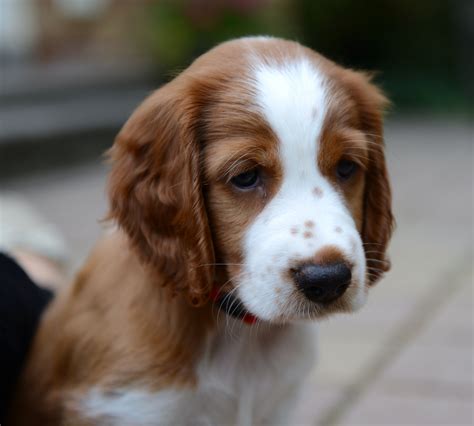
(251, 196)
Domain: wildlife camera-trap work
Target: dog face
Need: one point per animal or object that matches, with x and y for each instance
(259, 169)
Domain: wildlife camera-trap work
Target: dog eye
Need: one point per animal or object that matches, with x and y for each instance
(246, 180)
(345, 169)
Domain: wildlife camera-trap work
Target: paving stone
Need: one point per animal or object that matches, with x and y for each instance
(424, 363)
(72, 199)
(454, 325)
(341, 362)
(315, 399)
(376, 409)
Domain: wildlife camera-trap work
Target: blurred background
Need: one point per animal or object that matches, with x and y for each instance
(72, 71)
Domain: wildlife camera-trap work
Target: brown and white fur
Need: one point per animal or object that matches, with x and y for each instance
(135, 339)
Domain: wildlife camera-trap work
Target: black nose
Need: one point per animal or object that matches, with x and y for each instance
(322, 283)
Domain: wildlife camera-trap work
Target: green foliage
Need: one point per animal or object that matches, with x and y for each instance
(416, 45)
(179, 31)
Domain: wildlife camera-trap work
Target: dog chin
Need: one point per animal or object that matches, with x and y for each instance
(302, 310)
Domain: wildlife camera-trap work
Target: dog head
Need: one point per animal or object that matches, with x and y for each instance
(259, 169)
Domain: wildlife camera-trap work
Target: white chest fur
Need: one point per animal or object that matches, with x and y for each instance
(247, 376)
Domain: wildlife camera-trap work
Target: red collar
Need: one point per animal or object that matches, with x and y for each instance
(232, 306)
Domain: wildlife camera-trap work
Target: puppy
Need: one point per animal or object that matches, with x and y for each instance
(251, 196)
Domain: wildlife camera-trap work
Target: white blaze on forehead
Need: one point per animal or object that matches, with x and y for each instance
(292, 97)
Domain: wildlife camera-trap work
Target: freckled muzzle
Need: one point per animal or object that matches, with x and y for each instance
(322, 283)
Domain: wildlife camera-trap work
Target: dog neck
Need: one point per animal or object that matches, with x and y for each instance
(232, 305)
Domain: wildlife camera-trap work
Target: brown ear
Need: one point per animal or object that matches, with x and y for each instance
(378, 218)
(155, 190)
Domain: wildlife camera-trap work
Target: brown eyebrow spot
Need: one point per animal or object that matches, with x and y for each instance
(338, 229)
(317, 191)
(309, 224)
(294, 230)
(307, 234)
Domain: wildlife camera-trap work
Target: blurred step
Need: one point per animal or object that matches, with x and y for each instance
(70, 114)
(55, 115)
(23, 81)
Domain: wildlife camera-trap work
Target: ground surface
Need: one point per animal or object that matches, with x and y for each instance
(407, 357)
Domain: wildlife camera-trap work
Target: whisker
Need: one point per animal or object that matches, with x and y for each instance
(376, 270)
(228, 294)
(377, 260)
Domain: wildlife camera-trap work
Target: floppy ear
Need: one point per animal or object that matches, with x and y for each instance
(378, 220)
(155, 190)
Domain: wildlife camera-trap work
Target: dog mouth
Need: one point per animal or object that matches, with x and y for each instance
(227, 301)
(234, 307)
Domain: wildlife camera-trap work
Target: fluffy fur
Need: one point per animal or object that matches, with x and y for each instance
(135, 340)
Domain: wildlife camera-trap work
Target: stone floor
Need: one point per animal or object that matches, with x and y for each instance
(407, 357)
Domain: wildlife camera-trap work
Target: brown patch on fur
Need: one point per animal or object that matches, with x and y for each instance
(338, 229)
(328, 254)
(307, 234)
(109, 329)
(227, 154)
(286, 275)
(317, 192)
(334, 148)
(155, 189)
(377, 223)
(309, 224)
(294, 230)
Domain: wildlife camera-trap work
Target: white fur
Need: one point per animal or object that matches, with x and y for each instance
(134, 406)
(293, 99)
(247, 376)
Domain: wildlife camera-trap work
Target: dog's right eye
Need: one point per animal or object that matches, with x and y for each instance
(247, 180)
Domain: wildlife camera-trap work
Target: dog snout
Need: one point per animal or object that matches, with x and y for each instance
(322, 283)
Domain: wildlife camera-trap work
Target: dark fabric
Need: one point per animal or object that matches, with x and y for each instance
(21, 304)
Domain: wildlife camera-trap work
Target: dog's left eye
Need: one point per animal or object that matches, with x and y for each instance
(246, 180)
(345, 169)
